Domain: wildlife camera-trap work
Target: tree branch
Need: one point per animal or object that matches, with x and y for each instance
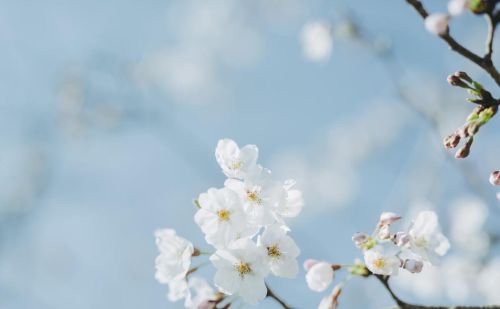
(484, 62)
(404, 305)
(271, 294)
(492, 24)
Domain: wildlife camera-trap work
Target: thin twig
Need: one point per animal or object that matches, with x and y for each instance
(404, 305)
(491, 34)
(483, 62)
(272, 295)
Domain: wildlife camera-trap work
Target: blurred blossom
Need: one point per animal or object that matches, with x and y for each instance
(457, 7)
(317, 41)
(468, 216)
(437, 23)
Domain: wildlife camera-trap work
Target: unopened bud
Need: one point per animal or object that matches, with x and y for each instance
(437, 24)
(495, 178)
(463, 75)
(401, 239)
(465, 150)
(388, 218)
(384, 232)
(360, 238)
(456, 81)
(309, 263)
(478, 6)
(451, 141)
(413, 266)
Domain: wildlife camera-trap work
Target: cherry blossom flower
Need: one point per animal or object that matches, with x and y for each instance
(175, 256)
(241, 269)
(199, 292)
(330, 301)
(316, 39)
(177, 289)
(437, 23)
(260, 196)
(427, 241)
(221, 217)
(319, 276)
(281, 251)
(294, 202)
(457, 7)
(236, 162)
(381, 263)
(413, 266)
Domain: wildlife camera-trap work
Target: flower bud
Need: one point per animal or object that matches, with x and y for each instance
(478, 6)
(384, 232)
(388, 218)
(457, 7)
(437, 24)
(456, 81)
(360, 238)
(462, 153)
(309, 263)
(413, 266)
(495, 178)
(401, 239)
(319, 276)
(451, 141)
(463, 75)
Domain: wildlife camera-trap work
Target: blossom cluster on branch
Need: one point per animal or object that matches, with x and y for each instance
(245, 222)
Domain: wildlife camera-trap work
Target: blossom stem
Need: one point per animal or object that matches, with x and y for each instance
(272, 295)
(404, 305)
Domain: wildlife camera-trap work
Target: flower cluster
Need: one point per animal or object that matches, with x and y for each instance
(245, 222)
(385, 253)
(486, 108)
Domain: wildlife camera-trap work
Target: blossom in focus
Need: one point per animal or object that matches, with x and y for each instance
(319, 276)
(281, 251)
(221, 217)
(236, 162)
(381, 263)
(175, 256)
(457, 7)
(241, 269)
(437, 23)
(317, 41)
(426, 239)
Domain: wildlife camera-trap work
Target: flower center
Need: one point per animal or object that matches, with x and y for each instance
(379, 263)
(243, 268)
(236, 165)
(253, 196)
(223, 215)
(421, 242)
(274, 251)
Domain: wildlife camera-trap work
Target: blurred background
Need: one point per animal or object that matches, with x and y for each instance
(110, 112)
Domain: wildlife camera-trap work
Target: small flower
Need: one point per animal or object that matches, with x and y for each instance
(401, 239)
(236, 162)
(360, 239)
(387, 218)
(309, 263)
(317, 42)
(175, 256)
(241, 270)
(259, 195)
(380, 263)
(320, 276)
(427, 241)
(331, 301)
(281, 251)
(457, 7)
(495, 178)
(437, 23)
(221, 217)
(413, 266)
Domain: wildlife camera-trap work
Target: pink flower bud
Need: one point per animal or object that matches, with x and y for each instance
(309, 263)
(401, 239)
(360, 238)
(413, 266)
(451, 141)
(388, 218)
(495, 178)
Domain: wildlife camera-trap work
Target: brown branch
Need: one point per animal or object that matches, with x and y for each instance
(272, 295)
(404, 305)
(484, 62)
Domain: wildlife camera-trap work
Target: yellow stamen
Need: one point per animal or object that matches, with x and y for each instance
(274, 251)
(243, 268)
(236, 165)
(223, 215)
(421, 242)
(253, 197)
(379, 263)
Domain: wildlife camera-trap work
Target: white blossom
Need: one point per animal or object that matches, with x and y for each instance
(413, 266)
(437, 23)
(381, 263)
(175, 256)
(281, 251)
(199, 291)
(316, 39)
(387, 218)
(294, 202)
(320, 276)
(221, 217)
(177, 289)
(241, 269)
(236, 162)
(457, 7)
(427, 241)
(488, 280)
(260, 196)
